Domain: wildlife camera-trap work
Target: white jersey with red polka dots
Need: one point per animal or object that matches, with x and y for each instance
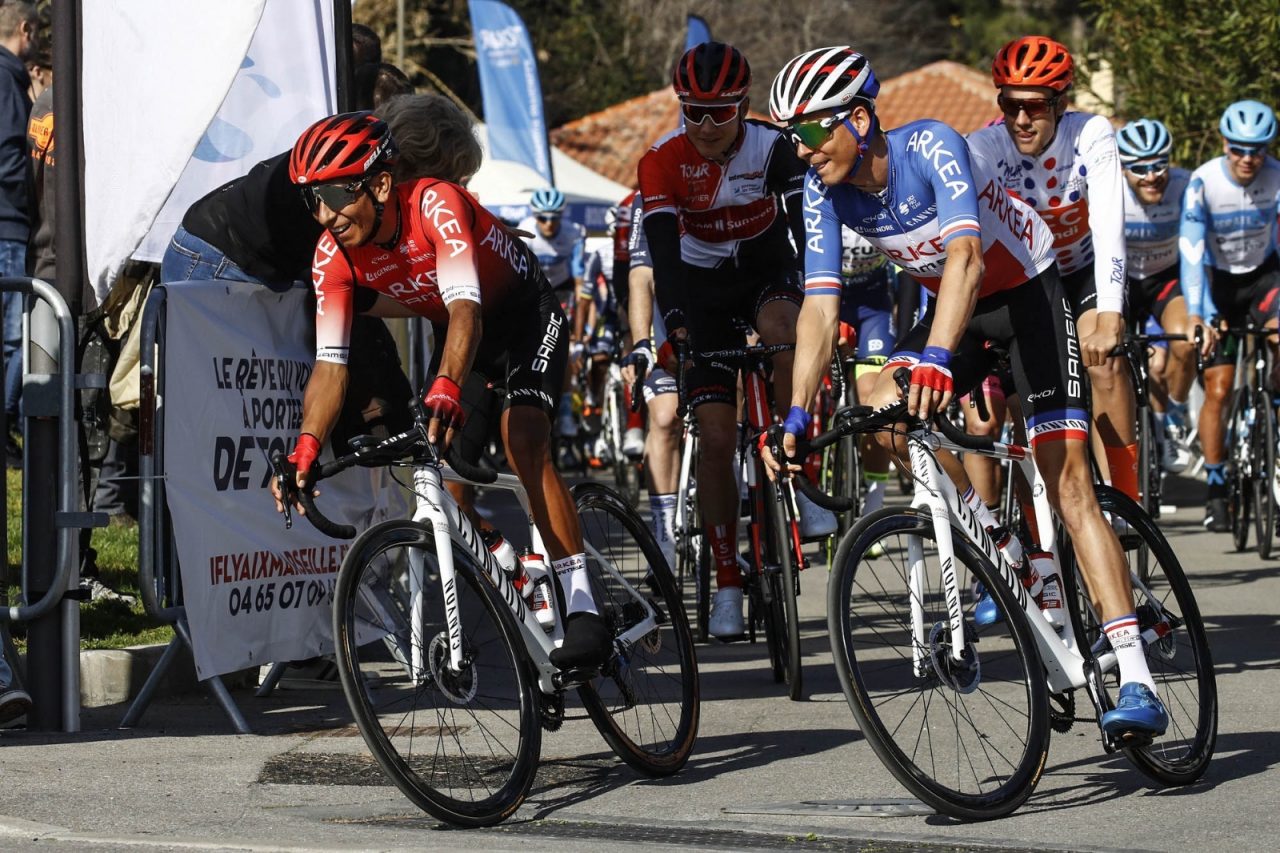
(1077, 187)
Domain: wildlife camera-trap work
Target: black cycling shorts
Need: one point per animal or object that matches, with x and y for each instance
(1081, 289)
(1150, 296)
(1242, 298)
(721, 302)
(1036, 325)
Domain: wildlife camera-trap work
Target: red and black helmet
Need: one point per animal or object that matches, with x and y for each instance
(712, 71)
(1033, 61)
(344, 146)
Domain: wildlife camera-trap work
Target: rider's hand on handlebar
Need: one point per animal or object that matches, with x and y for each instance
(931, 383)
(303, 459)
(1209, 335)
(667, 352)
(444, 405)
(1097, 346)
(796, 424)
(641, 356)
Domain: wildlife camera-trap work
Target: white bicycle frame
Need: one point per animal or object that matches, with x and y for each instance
(450, 526)
(1059, 651)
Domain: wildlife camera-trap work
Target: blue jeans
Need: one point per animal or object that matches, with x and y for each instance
(13, 262)
(188, 258)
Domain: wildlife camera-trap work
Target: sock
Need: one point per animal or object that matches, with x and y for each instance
(1126, 641)
(1177, 412)
(1216, 476)
(575, 584)
(1123, 462)
(1162, 419)
(876, 484)
(979, 508)
(722, 545)
(662, 512)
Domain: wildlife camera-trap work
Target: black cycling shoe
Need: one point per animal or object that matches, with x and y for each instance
(1215, 515)
(587, 642)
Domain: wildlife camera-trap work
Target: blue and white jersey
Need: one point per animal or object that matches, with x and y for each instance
(1237, 226)
(562, 257)
(933, 195)
(597, 280)
(1151, 230)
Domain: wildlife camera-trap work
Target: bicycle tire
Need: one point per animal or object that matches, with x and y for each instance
(1005, 727)
(646, 702)
(491, 707)
(779, 553)
(1190, 696)
(1264, 462)
(1238, 445)
(1148, 461)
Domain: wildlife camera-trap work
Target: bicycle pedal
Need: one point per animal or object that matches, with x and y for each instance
(1132, 740)
(730, 638)
(574, 676)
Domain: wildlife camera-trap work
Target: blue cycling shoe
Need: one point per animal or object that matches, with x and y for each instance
(1137, 711)
(987, 611)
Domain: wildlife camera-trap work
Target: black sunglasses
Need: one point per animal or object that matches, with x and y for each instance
(548, 217)
(334, 196)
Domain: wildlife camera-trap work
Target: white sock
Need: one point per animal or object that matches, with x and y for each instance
(662, 512)
(575, 584)
(875, 484)
(979, 508)
(1126, 641)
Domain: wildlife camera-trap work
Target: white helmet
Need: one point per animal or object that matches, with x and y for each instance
(822, 79)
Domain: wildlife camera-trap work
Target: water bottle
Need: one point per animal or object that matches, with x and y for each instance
(1009, 545)
(1048, 594)
(537, 589)
(504, 554)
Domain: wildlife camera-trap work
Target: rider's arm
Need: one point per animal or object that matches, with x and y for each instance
(583, 292)
(322, 401)
(1191, 248)
(662, 233)
(957, 292)
(449, 227)
(820, 312)
(785, 176)
(1105, 188)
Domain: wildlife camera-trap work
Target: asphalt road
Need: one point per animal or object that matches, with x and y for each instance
(766, 773)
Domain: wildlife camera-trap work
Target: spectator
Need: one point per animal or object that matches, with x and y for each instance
(366, 46)
(17, 31)
(377, 82)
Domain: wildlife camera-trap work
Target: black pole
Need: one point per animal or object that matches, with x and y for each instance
(344, 72)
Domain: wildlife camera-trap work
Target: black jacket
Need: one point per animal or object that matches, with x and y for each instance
(15, 109)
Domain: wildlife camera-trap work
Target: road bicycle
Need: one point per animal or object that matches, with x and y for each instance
(453, 700)
(627, 471)
(771, 566)
(1136, 350)
(961, 715)
(1252, 479)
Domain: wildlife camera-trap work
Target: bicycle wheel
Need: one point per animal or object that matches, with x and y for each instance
(646, 700)
(780, 564)
(463, 746)
(1148, 461)
(626, 471)
(1177, 653)
(1263, 454)
(1239, 467)
(969, 738)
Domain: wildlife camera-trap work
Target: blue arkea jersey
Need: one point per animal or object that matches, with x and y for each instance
(933, 195)
(562, 257)
(1237, 225)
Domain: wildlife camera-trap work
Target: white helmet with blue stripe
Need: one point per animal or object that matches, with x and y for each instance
(547, 200)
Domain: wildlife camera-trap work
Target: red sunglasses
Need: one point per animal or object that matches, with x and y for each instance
(720, 114)
(1033, 107)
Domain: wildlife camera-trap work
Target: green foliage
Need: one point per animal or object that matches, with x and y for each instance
(981, 27)
(104, 624)
(1183, 62)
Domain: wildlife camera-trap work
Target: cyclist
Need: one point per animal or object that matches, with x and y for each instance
(561, 251)
(623, 215)
(426, 248)
(914, 194)
(714, 196)
(1230, 211)
(597, 324)
(1064, 165)
(1152, 215)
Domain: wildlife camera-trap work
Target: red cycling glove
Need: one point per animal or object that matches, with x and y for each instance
(305, 452)
(933, 370)
(443, 402)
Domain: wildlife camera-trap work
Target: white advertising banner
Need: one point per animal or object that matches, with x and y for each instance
(236, 360)
(239, 82)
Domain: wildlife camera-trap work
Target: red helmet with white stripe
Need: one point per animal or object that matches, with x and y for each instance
(822, 79)
(347, 145)
(711, 71)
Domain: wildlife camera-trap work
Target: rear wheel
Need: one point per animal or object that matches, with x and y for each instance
(462, 745)
(780, 564)
(1263, 455)
(967, 734)
(1239, 469)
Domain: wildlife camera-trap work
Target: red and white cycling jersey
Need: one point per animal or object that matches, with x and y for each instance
(1077, 187)
(449, 248)
(721, 207)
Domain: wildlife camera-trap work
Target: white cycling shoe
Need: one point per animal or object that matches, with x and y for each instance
(815, 522)
(633, 443)
(726, 614)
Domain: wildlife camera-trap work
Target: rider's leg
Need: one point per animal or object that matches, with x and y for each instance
(984, 471)
(1217, 388)
(776, 323)
(1114, 413)
(662, 452)
(875, 459)
(719, 504)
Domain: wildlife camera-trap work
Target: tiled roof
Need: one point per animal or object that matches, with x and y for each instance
(948, 91)
(613, 140)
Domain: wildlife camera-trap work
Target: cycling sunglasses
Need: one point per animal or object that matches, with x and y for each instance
(815, 133)
(334, 196)
(720, 114)
(1154, 169)
(1248, 150)
(547, 218)
(1033, 107)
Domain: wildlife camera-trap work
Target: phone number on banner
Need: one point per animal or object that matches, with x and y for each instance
(280, 595)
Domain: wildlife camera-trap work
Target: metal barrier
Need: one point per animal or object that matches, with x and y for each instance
(52, 395)
(158, 578)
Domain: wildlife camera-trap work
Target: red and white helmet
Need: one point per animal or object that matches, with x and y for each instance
(347, 145)
(711, 71)
(822, 79)
(1033, 61)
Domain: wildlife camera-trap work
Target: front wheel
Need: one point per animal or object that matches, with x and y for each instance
(1239, 468)
(646, 700)
(461, 744)
(966, 731)
(1264, 460)
(780, 537)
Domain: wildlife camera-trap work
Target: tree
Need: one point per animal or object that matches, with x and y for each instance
(1183, 62)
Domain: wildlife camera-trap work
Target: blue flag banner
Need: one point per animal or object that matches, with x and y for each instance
(509, 87)
(698, 32)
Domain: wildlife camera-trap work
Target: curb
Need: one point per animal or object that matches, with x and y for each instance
(114, 676)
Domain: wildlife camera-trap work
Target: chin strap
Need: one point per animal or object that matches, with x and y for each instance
(863, 142)
(378, 209)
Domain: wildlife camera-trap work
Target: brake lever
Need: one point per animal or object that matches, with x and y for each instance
(286, 482)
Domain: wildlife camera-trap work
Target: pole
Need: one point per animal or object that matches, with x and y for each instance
(343, 70)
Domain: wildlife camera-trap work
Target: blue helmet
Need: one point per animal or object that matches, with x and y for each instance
(1248, 122)
(1144, 139)
(548, 200)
